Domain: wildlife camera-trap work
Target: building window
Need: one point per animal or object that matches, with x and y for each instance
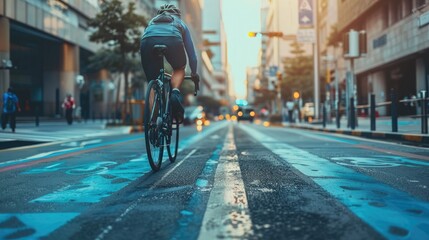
(395, 8)
(420, 3)
(408, 7)
(385, 17)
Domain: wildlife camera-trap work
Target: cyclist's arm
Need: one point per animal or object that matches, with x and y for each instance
(190, 50)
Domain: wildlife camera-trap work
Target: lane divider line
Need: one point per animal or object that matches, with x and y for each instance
(227, 214)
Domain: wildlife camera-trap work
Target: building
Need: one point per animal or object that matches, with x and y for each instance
(47, 42)
(332, 65)
(398, 47)
(252, 83)
(263, 72)
(215, 50)
(282, 17)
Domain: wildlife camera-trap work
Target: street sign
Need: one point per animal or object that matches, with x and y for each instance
(307, 35)
(273, 71)
(305, 13)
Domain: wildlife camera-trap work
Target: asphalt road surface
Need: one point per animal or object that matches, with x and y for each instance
(230, 181)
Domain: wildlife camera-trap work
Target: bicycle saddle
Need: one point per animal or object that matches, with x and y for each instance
(160, 49)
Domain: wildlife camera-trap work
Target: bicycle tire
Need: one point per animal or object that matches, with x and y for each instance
(173, 138)
(154, 136)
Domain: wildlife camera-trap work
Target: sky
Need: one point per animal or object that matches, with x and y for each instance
(241, 17)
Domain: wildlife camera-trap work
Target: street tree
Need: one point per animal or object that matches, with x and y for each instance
(298, 75)
(334, 37)
(111, 60)
(119, 29)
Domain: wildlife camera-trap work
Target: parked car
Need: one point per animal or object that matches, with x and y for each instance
(245, 113)
(307, 111)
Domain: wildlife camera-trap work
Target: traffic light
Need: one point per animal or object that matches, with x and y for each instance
(279, 76)
(252, 34)
(330, 75)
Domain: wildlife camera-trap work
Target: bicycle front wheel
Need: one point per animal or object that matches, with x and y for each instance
(173, 139)
(154, 136)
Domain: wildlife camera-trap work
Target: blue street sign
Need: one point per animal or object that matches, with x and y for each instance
(305, 13)
(273, 71)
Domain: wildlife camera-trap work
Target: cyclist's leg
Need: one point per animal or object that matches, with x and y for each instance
(176, 56)
(150, 62)
(177, 78)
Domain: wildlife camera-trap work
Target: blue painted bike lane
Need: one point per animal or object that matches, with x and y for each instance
(393, 213)
(101, 179)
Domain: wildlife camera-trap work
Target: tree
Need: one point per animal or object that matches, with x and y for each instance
(298, 74)
(334, 37)
(119, 30)
(111, 59)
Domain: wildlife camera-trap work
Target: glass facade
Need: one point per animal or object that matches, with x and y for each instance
(65, 21)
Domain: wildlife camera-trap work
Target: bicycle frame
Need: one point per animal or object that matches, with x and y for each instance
(161, 130)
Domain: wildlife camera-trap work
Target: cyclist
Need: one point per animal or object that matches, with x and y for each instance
(166, 28)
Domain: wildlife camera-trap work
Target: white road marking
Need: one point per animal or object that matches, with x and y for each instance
(109, 228)
(227, 214)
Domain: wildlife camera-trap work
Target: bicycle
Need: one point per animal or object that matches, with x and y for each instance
(159, 125)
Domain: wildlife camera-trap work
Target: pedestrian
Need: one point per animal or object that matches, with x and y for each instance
(68, 106)
(10, 107)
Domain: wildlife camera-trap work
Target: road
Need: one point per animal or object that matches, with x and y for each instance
(231, 180)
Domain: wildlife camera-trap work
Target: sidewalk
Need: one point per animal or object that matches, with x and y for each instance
(409, 129)
(56, 130)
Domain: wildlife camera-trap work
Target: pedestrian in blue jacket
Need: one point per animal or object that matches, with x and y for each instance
(10, 107)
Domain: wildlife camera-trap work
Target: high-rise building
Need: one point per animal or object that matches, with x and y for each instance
(215, 49)
(252, 82)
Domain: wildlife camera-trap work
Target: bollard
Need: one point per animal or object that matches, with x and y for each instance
(372, 112)
(424, 113)
(394, 110)
(337, 113)
(324, 115)
(352, 114)
(37, 116)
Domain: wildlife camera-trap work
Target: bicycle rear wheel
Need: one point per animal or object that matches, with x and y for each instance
(173, 138)
(154, 136)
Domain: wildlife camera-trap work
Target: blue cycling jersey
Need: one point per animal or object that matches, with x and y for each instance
(169, 25)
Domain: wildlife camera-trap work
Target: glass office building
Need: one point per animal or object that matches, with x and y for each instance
(46, 45)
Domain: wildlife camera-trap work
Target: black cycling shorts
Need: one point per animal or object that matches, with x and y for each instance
(151, 63)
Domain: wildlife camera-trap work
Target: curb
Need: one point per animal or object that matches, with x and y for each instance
(411, 138)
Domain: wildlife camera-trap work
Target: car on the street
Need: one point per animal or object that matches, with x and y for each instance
(246, 113)
(307, 111)
(194, 114)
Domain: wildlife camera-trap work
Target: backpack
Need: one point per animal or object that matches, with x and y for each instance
(10, 103)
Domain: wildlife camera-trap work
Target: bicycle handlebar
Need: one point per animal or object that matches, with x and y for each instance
(196, 84)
